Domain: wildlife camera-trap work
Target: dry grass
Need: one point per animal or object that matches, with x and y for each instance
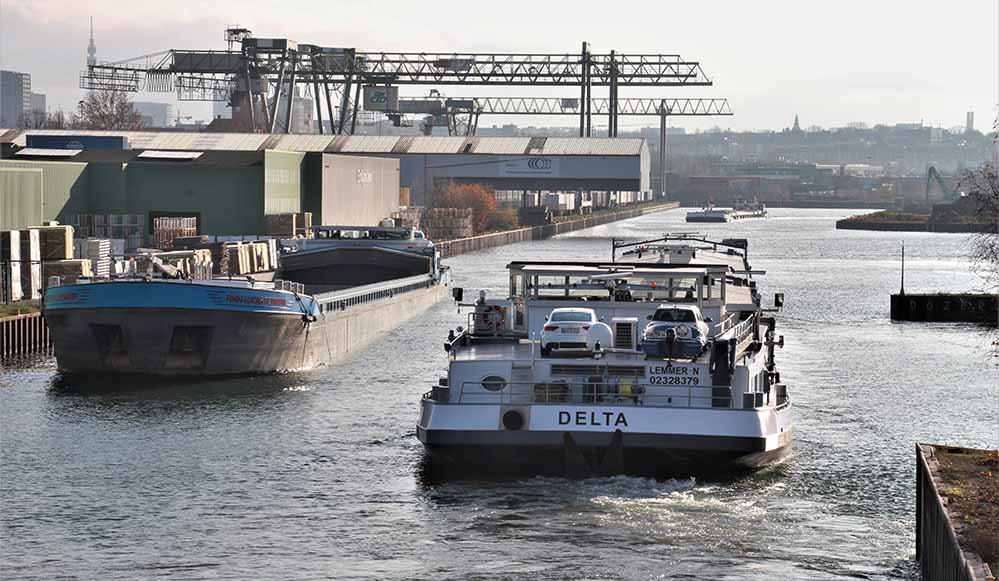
(972, 480)
(19, 308)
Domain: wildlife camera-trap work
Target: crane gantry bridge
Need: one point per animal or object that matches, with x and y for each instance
(256, 75)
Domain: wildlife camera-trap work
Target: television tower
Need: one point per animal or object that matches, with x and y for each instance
(91, 48)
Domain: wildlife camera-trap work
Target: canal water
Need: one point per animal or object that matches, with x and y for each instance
(318, 475)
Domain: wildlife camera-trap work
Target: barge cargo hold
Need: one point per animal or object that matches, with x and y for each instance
(162, 326)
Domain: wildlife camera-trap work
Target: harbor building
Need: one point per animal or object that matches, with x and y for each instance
(234, 179)
(229, 191)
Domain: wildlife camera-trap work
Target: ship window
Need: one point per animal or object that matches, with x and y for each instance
(493, 383)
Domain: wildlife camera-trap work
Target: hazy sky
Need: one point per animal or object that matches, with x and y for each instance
(830, 62)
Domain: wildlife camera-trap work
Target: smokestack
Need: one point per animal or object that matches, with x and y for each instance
(969, 126)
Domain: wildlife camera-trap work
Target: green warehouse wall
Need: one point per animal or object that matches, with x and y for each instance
(228, 198)
(65, 186)
(20, 198)
(107, 188)
(283, 178)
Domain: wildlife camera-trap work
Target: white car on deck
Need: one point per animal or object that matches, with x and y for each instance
(566, 328)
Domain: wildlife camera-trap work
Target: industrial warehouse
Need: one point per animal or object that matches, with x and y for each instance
(231, 181)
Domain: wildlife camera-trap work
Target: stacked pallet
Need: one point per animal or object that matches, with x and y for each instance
(303, 221)
(411, 217)
(129, 228)
(98, 251)
(447, 223)
(10, 266)
(70, 271)
(281, 225)
(165, 229)
(250, 257)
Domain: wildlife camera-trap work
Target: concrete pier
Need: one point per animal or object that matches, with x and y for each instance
(463, 245)
(938, 548)
(946, 308)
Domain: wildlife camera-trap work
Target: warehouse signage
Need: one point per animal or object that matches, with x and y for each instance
(530, 167)
(381, 98)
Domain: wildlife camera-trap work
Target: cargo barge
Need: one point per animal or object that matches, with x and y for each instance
(660, 364)
(156, 325)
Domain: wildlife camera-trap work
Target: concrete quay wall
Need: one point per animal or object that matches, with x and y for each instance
(463, 245)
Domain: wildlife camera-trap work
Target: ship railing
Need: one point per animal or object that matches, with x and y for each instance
(347, 298)
(583, 392)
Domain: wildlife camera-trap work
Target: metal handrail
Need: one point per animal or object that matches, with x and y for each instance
(342, 299)
(583, 392)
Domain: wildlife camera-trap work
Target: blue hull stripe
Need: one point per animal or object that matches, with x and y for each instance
(170, 295)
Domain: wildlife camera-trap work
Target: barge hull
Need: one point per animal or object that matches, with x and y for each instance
(175, 342)
(672, 456)
(182, 341)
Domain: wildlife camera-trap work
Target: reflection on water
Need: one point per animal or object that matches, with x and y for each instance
(319, 474)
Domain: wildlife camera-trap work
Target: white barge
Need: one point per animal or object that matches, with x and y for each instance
(741, 211)
(660, 365)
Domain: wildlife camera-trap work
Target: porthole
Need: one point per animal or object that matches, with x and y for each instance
(493, 383)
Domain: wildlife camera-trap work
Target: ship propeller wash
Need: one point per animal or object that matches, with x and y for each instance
(659, 362)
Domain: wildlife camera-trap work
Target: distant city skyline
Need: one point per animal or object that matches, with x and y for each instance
(863, 62)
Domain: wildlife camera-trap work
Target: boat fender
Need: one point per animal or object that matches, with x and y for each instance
(309, 318)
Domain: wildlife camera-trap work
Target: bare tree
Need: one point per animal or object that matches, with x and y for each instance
(982, 185)
(34, 119)
(58, 120)
(112, 110)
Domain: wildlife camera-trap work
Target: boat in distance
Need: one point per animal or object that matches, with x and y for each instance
(741, 210)
(658, 364)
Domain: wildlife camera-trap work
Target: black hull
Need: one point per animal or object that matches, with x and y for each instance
(588, 454)
(150, 342)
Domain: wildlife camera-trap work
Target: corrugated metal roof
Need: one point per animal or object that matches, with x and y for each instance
(165, 140)
(363, 144)
(437, 145)
(299, 142)
(205, 141)
(592, 146)
(501, 145)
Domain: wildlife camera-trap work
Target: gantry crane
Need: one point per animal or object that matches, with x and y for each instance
(246, 77)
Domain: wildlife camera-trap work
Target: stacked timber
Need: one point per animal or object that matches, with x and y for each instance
(56, 242)
(447, 223)
(166, 229)
(31, 264)
(10, 266)
(289, 225)
(70, 271)
(196, 263)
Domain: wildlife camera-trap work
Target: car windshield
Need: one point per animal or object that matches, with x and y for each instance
(571, 317)
(675, 316)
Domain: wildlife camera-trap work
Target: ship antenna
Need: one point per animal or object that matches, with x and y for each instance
(902, 289)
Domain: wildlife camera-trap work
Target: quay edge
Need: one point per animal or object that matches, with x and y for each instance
(450, 248)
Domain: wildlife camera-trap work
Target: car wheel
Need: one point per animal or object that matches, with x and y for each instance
(546, 350)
